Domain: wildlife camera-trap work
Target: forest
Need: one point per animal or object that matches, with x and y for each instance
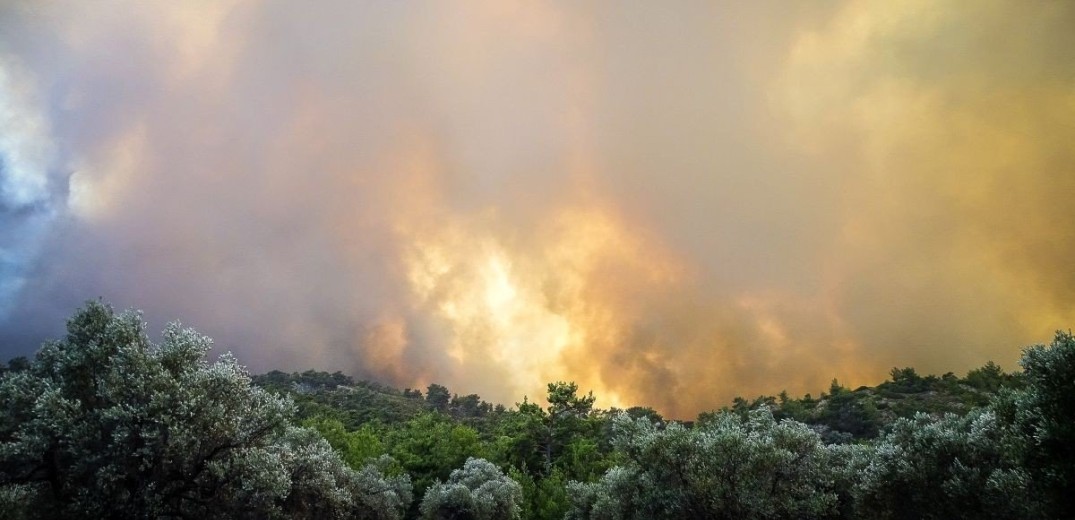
(105, 423)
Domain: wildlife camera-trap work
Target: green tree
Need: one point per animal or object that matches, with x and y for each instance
(906, 380)
(727, 468)
(469, 406)
(438, 397)
(356, 447)
(957, 467)
(105, 424)
(1043, 417)
(567, 436)
(566, 421)
(639, 412)
(520, 436)
(544, 497)
(790, 408)
(15, 364)
(477, 491)
(847, 411)
(430, 446)
(990, 377)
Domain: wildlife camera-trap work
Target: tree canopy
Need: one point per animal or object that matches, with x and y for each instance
(105, 424)
(478, 491)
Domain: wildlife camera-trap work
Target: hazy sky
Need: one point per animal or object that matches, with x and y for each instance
(671, 203)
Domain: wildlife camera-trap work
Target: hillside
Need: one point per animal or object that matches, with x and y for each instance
(106, 423)
(839, 415)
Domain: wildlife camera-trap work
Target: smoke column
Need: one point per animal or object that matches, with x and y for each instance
(668, 204)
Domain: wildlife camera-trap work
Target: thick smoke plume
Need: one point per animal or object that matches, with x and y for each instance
(669, 204)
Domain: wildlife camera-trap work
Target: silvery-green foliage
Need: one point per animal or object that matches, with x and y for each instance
(322, 485)
(1043, 415)
(725, 468)
(615, 497)
(956, 467)
(847, 463)
(478, 490)
(106, 424)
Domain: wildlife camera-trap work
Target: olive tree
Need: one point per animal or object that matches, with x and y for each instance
(955, 467)
(106, 424)
(1041, 417)
(728, 467)
(478, 491)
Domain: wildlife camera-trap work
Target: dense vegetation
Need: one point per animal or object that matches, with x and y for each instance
(104, 423)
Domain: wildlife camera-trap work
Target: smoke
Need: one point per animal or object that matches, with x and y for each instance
(671, 205)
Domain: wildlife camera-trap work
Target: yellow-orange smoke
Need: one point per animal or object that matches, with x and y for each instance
(671, 204)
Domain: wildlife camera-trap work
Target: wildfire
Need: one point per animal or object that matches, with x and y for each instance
(529, 310)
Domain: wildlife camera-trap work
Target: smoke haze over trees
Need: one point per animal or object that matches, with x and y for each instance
(105, 423)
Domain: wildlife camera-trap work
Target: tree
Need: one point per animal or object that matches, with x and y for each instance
(356, 447)
(725, 468)
(1043, 417)
(990, 377)
(566, 436)
(846, 411)
(323, 486)
(639, 412)
(15, 364)
(544, 498)
(106, 424)
(430, 446)
(956, 467)
(520, 438)
(478, 491)
(906, 380)
(438, 397)
(566, 420)
(469, 406)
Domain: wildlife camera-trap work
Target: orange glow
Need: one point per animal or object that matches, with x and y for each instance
(668, 206)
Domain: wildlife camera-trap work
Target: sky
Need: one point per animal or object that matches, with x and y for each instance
(669, 203)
